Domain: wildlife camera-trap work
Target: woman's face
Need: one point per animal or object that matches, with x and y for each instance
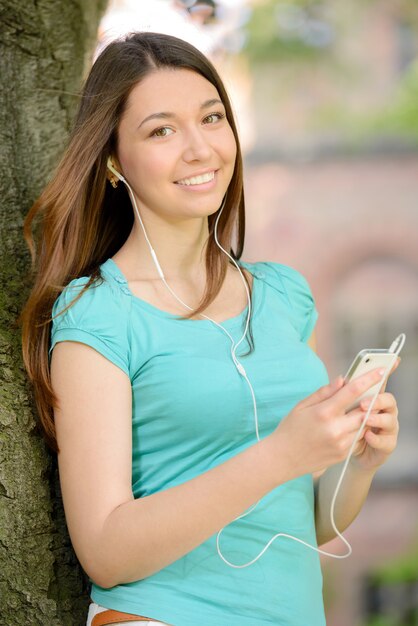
(175, 146)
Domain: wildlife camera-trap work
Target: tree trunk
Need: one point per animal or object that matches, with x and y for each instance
(45, 51)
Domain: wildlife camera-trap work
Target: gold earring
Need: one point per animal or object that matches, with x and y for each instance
(111, 177)
(113, 180)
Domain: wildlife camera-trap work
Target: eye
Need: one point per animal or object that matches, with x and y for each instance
(214, 115)
(155, 133)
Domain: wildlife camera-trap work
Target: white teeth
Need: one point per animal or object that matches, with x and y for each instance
(197, 180)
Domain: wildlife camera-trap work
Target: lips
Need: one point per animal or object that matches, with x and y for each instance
(197, 179)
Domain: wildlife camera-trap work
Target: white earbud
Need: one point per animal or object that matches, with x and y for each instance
(114, 171)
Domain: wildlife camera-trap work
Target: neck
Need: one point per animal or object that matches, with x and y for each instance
(180, 248)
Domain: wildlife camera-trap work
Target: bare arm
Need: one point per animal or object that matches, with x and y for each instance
(312, 341)
(350, 499)
(117, 538)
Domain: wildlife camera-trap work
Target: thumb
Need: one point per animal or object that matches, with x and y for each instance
(323, 393)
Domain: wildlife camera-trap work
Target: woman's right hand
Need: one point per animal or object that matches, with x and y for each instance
(318, 432)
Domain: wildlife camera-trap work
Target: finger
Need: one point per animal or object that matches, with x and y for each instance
(360, 410)
(323, 393)
(382, 402)
(355, 424)
(360, 446)
(350, 437)
(384, 421)
(398, 360)
(383, 443)
(352, 390)
(352, 421)
(391, 372)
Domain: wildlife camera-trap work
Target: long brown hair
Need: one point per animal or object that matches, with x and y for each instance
(78, 226)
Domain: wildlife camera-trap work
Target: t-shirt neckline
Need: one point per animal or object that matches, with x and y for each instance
(114, 270)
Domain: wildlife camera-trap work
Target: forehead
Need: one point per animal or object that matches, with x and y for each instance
(165, 89)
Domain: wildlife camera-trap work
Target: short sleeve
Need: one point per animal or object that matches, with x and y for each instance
(298, 294)
(98, 319)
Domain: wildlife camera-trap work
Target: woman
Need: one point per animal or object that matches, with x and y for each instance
(167, 428)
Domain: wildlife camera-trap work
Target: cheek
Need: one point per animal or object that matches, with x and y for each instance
(229, 147)
(145, 165)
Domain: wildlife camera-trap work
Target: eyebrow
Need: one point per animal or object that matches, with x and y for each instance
(168, 114)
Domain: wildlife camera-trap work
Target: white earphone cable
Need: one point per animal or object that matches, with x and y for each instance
(395, 348)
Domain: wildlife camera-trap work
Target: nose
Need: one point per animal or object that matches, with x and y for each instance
(196, 146)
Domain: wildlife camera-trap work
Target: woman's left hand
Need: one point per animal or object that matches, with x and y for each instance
(380, 435)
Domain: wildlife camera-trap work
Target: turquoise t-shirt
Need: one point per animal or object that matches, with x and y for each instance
(192, 410)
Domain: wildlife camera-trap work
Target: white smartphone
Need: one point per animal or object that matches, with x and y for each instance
(370, 359)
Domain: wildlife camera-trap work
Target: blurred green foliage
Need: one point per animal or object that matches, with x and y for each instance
(310, 32)
(401, 573)
(279, 31)
(401, 116)
(403, 569)
(381, 621)
(396, 119)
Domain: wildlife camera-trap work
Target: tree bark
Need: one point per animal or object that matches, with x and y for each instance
(46, 50)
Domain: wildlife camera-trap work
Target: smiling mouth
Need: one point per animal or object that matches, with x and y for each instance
(197, 180)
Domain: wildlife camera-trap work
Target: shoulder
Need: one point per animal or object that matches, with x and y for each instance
(294, 291)
(283, 277)
(100, 297)
(96, 314)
